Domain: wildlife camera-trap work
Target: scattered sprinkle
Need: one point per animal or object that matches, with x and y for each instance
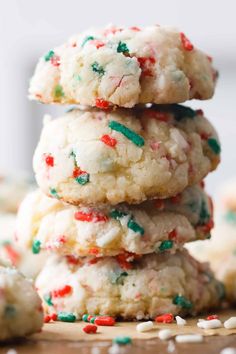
(54, 193)
(209, 324)
(36, 247)
(65, 290)
(86, 39)
(180, 321)
(122, 48)
(90, 217)
(144, 326)
(105, 321)
(49, 160)
(66, 317)
(166, 318)
(100, 103)
(58, 91)
(108, 140)
(134, 226)
(48, 299)
(98, 68)
(181, 301)
(189, 338)
(90, 328)
(128, 133)
(122, 340)
(165, 334)
(214, 145)
(166, 245)
(212, 317)
(49, 55)
(230, 323)
(187, 45)
(117, 214)
(83, 178)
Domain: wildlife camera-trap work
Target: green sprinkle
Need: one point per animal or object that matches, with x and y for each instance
(9, 311)
(214, 145)
(86, 39)
(49, 55)
(48, 299)
(204, 213)
(85, 318)
(98, 68)
(118, 277)
(77, 77)
(58, 91)
(54, 193)
(122, 48)
(181, 112)
(230, 216)
(135, 226)
(92, 320)
(117, 214)
(36, 247)
(83, 179)
(122, 340)
(166, 245)
(66, 317)
(181, 301)
(129, 134)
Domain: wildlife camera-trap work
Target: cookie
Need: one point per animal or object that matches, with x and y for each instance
(153, 226)
(21, 311)
(91, 157)
(220, 250)
(12, 191)
(124, 67)
(143, 288)
(13, 254)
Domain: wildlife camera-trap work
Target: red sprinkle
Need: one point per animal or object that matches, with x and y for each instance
(49, 160)
(72, 260)
(12, 254)
(134, 28)
(108, 140)
(186, 42)
(199, 112)
(47, 318)
(172, 235)
(176, 199)
(167, 318)
(55, 60)
(105, 321)
(93, 251)
(53, 316)
(162, 116)
(90, 328)
(100, 103)
(78, 172)
(145, 64)
(98, 44)
(90, 217)
(212, 317)
(62, 292)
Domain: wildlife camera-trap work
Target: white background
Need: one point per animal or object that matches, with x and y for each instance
(30, 28)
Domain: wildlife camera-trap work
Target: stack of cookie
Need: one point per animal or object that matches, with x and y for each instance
(120, 178)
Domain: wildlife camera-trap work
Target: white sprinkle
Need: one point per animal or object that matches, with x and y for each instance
(11, 351)
(171, 346)
(108, 237)
(189, 338)
(209, 324)
(115, 349)
(180, 321)
(228, 351)
(144, 326)
(165, 334)
(230, 323)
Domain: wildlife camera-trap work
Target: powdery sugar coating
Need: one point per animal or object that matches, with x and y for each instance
(155, 156)
(124, 67)
(153, 226)
(156, 284)
(20, 306)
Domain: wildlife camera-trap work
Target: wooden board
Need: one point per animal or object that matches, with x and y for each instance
(69, 338)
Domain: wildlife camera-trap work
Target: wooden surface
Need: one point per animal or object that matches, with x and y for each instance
(58, 338)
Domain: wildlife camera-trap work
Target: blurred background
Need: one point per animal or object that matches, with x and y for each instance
(29, 29)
